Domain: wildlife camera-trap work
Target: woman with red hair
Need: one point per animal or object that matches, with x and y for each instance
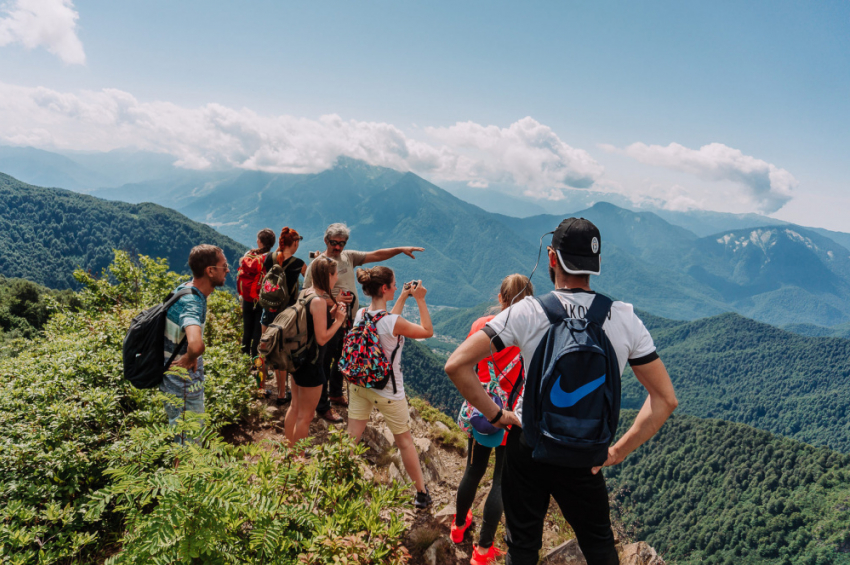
(293, 267)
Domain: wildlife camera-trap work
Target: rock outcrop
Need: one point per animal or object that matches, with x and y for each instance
(442, 465)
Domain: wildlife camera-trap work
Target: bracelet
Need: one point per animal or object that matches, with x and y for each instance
(498, 416)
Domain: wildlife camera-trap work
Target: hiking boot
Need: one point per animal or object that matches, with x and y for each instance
(339, 401)
(488, 558)
(422, 500)
(285, 400)
(458, 531)
(331, 416)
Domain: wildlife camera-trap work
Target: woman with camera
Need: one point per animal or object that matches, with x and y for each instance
(380, 285)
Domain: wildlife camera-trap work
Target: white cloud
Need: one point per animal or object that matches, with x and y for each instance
(51, 24)
(526, 154)
(768, 187)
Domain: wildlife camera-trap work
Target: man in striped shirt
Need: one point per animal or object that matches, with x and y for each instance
(186, 319)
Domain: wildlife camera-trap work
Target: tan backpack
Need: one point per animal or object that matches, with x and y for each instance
(288, 343)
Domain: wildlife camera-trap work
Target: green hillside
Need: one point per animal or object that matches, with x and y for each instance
(425, 377)
(25, 307)
(740, 370)
(709, 491)
(45, 233)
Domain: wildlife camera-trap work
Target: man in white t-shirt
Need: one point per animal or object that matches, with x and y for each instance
(345, 290)
(579, 491)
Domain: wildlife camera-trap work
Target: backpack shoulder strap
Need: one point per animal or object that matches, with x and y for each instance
(599, 309)
(172, 298)
(169, 302)
(552, 307)
(379, 316)
(288, 262)
(520, 380)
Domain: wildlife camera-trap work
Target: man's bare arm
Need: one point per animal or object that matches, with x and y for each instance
(383, 254)
(461, 370)
(655, 410)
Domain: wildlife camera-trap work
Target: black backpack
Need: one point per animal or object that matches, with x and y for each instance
(274, 294)
(144, 344)
(571, 405)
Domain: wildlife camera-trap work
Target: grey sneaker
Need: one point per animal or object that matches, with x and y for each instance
(422, 500)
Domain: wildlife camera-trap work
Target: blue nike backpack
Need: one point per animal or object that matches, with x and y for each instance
(571, 404)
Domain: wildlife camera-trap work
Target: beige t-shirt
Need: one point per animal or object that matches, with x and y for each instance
(348, 260)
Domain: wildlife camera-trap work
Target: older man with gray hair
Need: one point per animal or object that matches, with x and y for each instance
(336, 238)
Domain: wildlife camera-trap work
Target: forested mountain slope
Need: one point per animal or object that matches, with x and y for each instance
(45, 233)
(740, 370)
(709, 491)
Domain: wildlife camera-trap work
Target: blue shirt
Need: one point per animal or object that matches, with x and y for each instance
(190, 310)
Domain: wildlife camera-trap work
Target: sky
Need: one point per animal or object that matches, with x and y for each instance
(726, 106)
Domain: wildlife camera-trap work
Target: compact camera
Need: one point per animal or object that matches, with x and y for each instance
(313, 254)
(411, 285)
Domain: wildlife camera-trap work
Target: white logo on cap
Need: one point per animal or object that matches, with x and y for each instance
(594, 245)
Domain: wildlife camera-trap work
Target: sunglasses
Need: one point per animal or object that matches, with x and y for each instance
(335, 243)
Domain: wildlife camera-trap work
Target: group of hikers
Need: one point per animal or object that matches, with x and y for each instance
(540, 376)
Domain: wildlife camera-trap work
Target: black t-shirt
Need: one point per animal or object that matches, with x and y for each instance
(292, 272)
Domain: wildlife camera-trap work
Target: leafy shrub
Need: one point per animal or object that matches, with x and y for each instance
(252, 504)
(65, 410)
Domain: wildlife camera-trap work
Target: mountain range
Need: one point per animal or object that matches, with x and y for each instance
(703, 490)
(774, 272)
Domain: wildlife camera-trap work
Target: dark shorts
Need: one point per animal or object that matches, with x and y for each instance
(268, 317)
(310, 376)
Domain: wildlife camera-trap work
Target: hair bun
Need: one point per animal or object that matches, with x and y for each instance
(364, 276)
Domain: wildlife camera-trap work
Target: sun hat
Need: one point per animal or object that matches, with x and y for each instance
(483, 431)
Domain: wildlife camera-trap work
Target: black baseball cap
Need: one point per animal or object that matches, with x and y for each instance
(578, 243)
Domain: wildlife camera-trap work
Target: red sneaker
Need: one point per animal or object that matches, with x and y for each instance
(458, 531)
(488, 558)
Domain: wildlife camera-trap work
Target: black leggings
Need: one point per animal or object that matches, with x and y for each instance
(477, 459)
(251, 314)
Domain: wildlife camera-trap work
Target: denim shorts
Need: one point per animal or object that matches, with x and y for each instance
(193, 404)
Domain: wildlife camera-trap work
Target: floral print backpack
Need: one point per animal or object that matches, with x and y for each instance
(493, 388)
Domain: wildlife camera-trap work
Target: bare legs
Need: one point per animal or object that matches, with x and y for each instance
(296, 425)
(406, 448)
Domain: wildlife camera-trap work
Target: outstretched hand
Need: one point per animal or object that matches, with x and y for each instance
(409, 251)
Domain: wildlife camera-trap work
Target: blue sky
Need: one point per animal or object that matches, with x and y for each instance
(755, 96)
